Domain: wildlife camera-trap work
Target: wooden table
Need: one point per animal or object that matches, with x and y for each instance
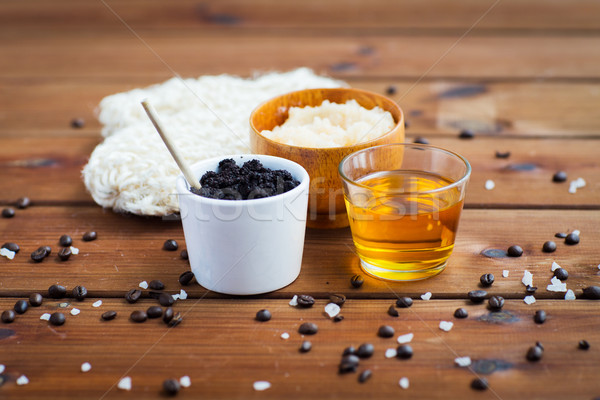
(524, 75)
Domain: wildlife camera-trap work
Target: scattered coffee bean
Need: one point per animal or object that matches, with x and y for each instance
(21, 306)
(11, 246)
(486, 280)
(305, 301)
(156, 285)
(184, 255)
(39, 254)
(57, 318)
(496, 303)
(171, 387)
(133, 295)
(535, 353)
(154, 312)
(263, 315)
(584, 345)
(421, 140)
(48, 250)
(23, 202)
(166, 300)
(479, 384)
(64, 254)
(559, 176)
(365, 375)
(560, 235)
(404, 351)
(338, 318)
(572, 238)
(477, 296)
(592, 292)
(77, 123)
(186, 278)
(36, 300)
(549, 247)
(57, 292)
(461, 313)
(8, 212)
(168, 315)
(539, 344)
(338, 299)
(561, 274)
(176, 320)
(109, 315)
(404, 302)
(530, 289)
(170, 245)
(365, 350)
(89, 236)
(308, 328)
(349, 363)
(515, 251)
(503, 154)
(357, 281)
(385, 331)
(305, 346)
(540, 317)
(466, 134)
(65, 240)
(391, 90)
(392, 311)
(8, 316)
(349, 350)
(138, 316)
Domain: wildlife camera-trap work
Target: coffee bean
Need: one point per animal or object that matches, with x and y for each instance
(561, 274)
(496, 303)
(385, 331)
(57, 292)
(531, 289)
(486, 280)
(166, 300)
(477, 296)
(23, 202)
(392, 311)
(171, 387)
(39, 254)
(57, 318)
(504, 154)
(65, 240)
(305, 347)
(184, 255)
(186, 278)
(36, 300)
(308, 328)
(109, 315)
(365, 350)
(479, 384)
(176, 320)
(48, 250)
(404, 351)
(404, 302)
(138, 316)
(305, 301)
(540, 317)
(560, 235)
(170, 245)
(8, 212)
(559, 176)
(515, 251)
(592, 292)
(263, 315)
(357, 281)
(349, 363)
(572, 238)
(168, 315)
(154, 312)
(338, 318)
(77, 123)
(584, 345)
(64, 254)
(365, 375)
(549, 247)
(461, 313)
(156, 285)
(338, 299)
(466, 134)
(535, 353)
(11, 246)
(133, 295)
(21, 306)
(89, 236)
(539, 344)
(8, 316)
(421, 140)
(391, 90)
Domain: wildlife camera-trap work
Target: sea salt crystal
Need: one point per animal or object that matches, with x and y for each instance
(505, 273)
(446, 325)
(555, 266)
(285, 336)
(426, 296)
(576, 232)
(22, 380)
(489, 184)
(125, 383)
(570, 295)
(294, 301)
(403, 382)
(86, 366)
(332, 309)
(463, 361)
(529, 299)
(391, 353)
(598, 266)
(576, 184)
(555, 281)
(2, 368)
(182, 294)
(556, 285)
(527, 278)
(45, 317)
(175, 296)
(259, 386)
(185, 381)
(407, 338)
(75, 311)
(143, 285)
(97, 304)
(74, 250)
(7, 253)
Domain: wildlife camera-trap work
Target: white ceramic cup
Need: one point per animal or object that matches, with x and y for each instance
(245, 247)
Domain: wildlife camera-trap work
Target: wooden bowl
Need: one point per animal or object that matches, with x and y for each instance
(326, 208)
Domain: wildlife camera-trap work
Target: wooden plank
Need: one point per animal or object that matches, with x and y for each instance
(432, 107)
(121, 55)
(224, 350)
(378, 15)
(129, 250)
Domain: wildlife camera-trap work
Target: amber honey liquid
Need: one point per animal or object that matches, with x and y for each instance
(402, 236)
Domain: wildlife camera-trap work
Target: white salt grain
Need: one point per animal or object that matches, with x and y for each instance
(182, 294)
(489, 184)
(404, 383)
(555, 281)
(407, 338)
(527, 278)
(185, 381)
(529, 299)
(97, 304)
(2, 368)
(74, 250)
(570, 295)
(463, 361)
(557, 288)
(7, 253)
(22, 380)
(143, 285)
(446, 325)
(86, 366)
(505, 273)
(555, 266)
(285, 336)
(259, 386)
(75, 311)
(294, 301)
(391, 353)
(125, 383)
(175, 296)
(426, 296)
(45, 317)
(332, 309)
(598, 266)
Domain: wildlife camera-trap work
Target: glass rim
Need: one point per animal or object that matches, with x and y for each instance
(454, 184)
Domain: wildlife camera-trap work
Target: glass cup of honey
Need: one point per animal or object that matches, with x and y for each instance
(404, 203)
